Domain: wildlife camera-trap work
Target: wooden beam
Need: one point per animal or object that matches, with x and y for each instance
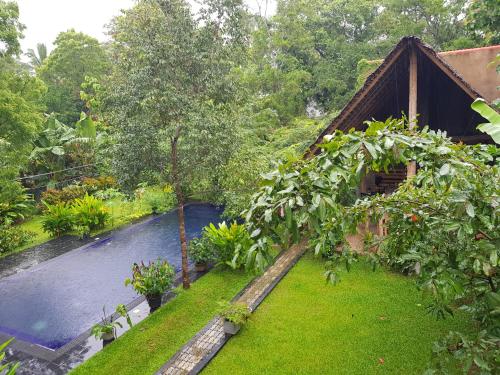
(412, 104)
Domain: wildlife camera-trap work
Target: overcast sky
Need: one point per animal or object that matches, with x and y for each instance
(44, 19)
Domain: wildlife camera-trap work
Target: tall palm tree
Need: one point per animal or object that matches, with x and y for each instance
(37, 58)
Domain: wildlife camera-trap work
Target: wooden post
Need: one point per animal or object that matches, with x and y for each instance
(412, 104)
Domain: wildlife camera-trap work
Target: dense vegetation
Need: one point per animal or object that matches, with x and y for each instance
(182, 105)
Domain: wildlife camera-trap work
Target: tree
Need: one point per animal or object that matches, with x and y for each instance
(483, 20)
(37, 58)
(20, 105)
(74, 57)
(11, 30)
(169, 93)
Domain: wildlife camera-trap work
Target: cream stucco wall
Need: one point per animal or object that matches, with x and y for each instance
(474, 66)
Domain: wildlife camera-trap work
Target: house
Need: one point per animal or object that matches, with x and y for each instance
(431, 88)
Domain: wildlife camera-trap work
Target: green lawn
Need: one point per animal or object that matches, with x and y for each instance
(149, 344)
(306, 326)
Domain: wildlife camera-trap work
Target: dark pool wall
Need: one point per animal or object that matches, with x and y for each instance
(52, 303)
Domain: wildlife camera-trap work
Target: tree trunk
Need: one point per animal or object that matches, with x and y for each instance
(180, 213)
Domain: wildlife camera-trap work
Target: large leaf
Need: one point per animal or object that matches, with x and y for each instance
(492, 128)
(85, 127)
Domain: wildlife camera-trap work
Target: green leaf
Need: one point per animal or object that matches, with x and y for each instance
(492, 128)
(371, 149)
(445, 169)
(85, 127)
(469, 208)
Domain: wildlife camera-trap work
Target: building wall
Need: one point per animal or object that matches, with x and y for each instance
(474, 66)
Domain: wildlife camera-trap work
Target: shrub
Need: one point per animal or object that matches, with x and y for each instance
(15, 209)
(65, 195)
(7, 368)
(58, 219)
(13, 237)
(110, 193)
(154, 279)
(158, 199)
(228, 241)
(100, 183)
(236, 313)
(200, 250)
(90, 213)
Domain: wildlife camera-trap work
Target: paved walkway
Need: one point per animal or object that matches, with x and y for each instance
(205, 344)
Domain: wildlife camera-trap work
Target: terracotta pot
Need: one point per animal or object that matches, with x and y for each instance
(230, 328)
(154, 301)
(200, 267)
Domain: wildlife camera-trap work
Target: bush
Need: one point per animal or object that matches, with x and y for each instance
(236, 313)
(110, 193)
(13, 237)
(89, 213)
(154, 279)
(200, 250)
(158, 199)
(100, 183)
(228, 242)
(58, 219)
(65, 195)
(15, 209)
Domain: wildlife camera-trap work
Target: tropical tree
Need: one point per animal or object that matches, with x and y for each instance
(37, 58)
(169, 92)
(11, 30)
(74, 57)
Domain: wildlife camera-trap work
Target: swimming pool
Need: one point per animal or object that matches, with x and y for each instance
(54, 302)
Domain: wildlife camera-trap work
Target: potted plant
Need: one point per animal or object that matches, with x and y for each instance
(200, 252)
(106, 329)
(152, 281)
(234, 315)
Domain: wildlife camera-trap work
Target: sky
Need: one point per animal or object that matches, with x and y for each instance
(44, 19)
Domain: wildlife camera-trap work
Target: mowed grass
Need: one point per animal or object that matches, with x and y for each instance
(151, 343)
(370, 323)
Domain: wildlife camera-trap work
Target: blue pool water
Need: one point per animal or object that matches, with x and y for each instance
(54, 302)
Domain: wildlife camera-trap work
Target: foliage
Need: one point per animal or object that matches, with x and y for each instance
(229, 242)
(7, 368)
(58, 219)
(14, 210)
(455, 193)
(75, 56)
(90, 213)
(11, 30)
(93, 185)
(110, 193)
(159, 199)
(12, 237)
(37, 58)
(483, 19)
(107, 325)
(66, 195)
(492, 127)
(153, 279)
(236, 313)
(200, 250)
(59, 146)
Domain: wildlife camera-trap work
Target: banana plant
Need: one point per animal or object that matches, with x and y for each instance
(492, 128)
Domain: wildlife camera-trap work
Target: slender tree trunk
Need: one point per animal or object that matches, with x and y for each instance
(180, 212)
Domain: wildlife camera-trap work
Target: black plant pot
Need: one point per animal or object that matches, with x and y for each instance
(200, 267)
(107, 338)
(154, 301)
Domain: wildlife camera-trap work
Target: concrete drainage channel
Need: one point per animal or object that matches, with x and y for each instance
(200, 350)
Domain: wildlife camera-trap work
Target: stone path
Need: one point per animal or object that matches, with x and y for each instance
(205, 344)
